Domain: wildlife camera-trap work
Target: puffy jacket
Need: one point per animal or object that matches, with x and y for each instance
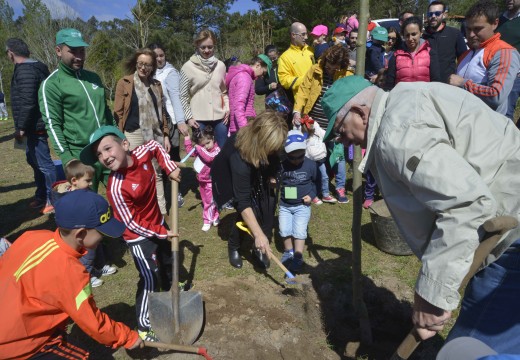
(25, 83)
(241, 91)
(316, 149)
(413, 66)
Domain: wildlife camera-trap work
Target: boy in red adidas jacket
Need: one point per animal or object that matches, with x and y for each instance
(43, 284)
(132, 193)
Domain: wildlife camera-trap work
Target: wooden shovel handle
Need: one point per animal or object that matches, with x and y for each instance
(495, 227)
(182, 348)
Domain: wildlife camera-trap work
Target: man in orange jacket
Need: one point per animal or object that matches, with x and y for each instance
(43, 284)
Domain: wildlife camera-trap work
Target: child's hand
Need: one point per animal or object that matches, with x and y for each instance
(170, 234)
(138, 344)
(307, 200)
(175, 175)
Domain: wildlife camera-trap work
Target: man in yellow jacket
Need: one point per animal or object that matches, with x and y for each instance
(296, 60)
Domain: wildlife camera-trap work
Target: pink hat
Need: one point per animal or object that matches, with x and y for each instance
(319, 30)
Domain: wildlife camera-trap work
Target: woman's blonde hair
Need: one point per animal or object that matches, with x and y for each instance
(203, 35)
(263, 136)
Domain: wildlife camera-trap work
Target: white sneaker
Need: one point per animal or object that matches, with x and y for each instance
(108, 270)
(216, 222)
(206, 227)
(95, 282)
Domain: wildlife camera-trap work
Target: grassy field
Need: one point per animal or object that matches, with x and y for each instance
(388, 280)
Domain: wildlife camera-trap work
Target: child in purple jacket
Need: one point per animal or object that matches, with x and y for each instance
(241, 90)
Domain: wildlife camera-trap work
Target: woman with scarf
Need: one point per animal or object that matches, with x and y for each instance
(204, 95)
(139, 109)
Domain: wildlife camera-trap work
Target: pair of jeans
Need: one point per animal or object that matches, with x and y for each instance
(219, 128)
(489, 310)
(513, 98)
(38, 157)
(293, 221)
(322, 182)
(94, 259)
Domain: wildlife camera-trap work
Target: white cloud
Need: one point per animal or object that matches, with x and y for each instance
(59, 9)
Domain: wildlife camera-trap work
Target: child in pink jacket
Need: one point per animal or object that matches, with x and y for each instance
(206, 151)
(241, 90)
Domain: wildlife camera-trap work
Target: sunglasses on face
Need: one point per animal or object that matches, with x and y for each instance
(434, 13)
(392, 38)
(143, 65)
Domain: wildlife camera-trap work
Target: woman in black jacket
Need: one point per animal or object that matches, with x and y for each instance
(269, 82)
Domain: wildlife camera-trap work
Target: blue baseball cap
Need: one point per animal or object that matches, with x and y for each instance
(86, 209)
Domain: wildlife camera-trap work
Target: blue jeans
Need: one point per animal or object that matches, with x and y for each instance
(94, 258)
(513, 98)
(221, 130)
(370, 186)
(341, 174)
(322, 182)
(39, 157)
(489, 310)
(293, 221)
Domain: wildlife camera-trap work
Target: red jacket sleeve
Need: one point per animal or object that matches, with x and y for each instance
(161, 155)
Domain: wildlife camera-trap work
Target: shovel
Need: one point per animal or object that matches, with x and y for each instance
(290, 278)
(495, 228)
(180, 348)
(176, 317)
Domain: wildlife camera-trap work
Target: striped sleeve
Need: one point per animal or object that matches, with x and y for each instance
(185, 95)
(157, 152)
(501, 74)
(123, 204)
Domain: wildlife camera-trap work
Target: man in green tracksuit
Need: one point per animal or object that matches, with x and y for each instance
(72, 102)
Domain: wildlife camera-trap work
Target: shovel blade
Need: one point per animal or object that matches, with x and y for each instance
(191, 313)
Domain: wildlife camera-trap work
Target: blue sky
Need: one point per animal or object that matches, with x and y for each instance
(108, 9)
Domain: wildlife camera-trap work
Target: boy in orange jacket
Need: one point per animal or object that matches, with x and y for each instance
(43, 284)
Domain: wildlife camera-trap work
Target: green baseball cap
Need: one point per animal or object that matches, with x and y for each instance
(268, 61)
(70, 37)
(339, 94)
(87, 153)
(379, 33)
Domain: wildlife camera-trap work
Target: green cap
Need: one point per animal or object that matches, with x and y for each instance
(87, 154)
(339, 94)
(379, 33)
(268, 61)
(70, 37)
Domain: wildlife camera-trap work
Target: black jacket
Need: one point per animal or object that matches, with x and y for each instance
(25, 83)
(448, 44)
(262, 83)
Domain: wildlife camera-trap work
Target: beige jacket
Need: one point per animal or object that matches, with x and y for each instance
(202, 99)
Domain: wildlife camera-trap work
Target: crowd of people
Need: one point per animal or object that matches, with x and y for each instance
(433, 114)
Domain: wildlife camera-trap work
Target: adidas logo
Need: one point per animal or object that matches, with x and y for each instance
(134, 186)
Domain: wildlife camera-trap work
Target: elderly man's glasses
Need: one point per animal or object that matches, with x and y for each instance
(143, 65)
(434, 13)
(303, 34)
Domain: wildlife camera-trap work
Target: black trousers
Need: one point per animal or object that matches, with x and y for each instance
(264, 210)
(58, 349)
(153, 260)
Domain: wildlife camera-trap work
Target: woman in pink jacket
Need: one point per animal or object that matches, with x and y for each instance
(241, 90)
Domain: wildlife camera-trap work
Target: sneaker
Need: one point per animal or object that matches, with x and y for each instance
(108, 270)
(287, 257)
(367, 203)
(297, 263)
(342, 197)
(206, 227)
(329, 199)
(228, 205)
(148, 336)
(216, 222)
(317, 201)
(180, 200)
(95, 281)
(47, 209)
(37, 203)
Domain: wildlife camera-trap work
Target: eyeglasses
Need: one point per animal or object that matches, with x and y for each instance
(436, 13)
(304, 34)
(392, 38)
(209, 47)
(140, 65)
